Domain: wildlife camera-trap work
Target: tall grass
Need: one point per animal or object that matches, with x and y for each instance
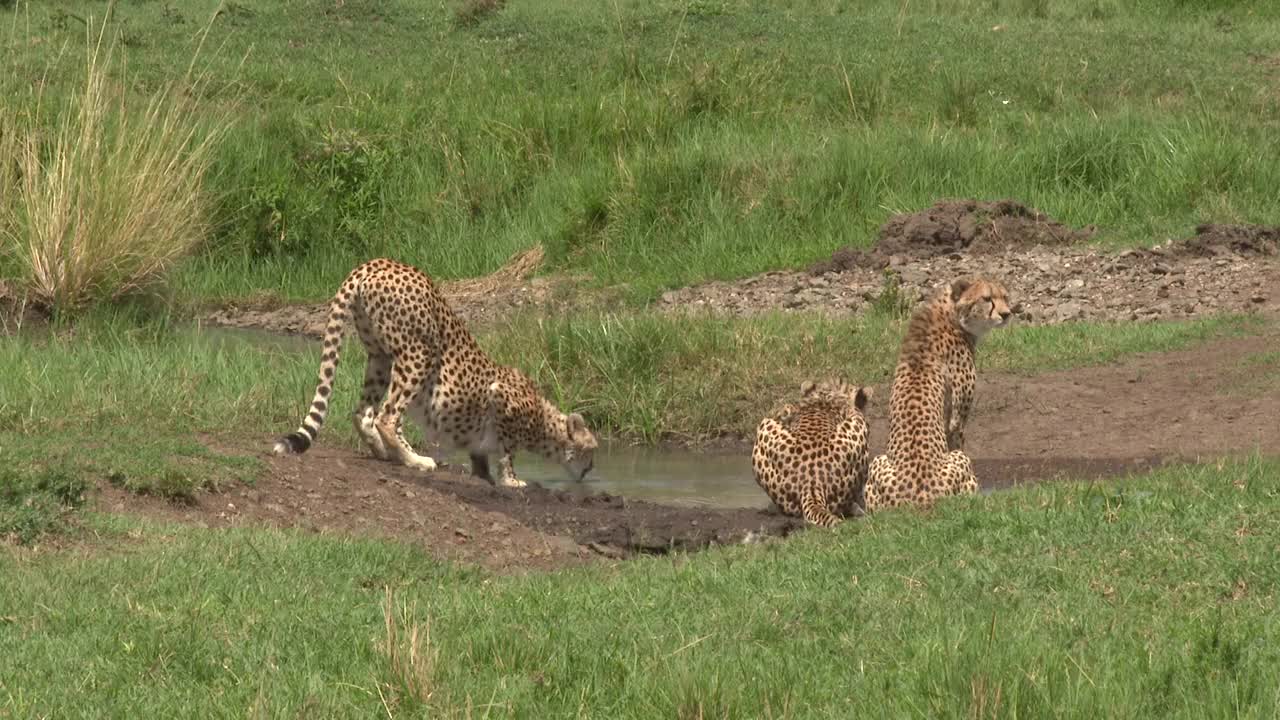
(663, 143)
(103, 189)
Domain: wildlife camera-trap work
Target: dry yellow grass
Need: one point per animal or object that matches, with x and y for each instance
(103, 190)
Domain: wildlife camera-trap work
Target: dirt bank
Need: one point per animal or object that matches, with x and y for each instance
(1052, 276)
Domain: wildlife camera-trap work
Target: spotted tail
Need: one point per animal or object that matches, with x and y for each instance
(300, 440)
(814, 506)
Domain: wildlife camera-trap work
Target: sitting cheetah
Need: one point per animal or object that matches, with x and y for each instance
(932, 395)
(420, 350)
(810, 457)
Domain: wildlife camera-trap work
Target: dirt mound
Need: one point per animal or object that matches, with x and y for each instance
(956, 226)
(1212, 240)
(517, 268)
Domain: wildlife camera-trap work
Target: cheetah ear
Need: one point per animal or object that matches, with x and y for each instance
(576, 424)
(862, 397)
(807, 387)
(959, 286)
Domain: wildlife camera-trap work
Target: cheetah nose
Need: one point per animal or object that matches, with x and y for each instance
(1004, 314)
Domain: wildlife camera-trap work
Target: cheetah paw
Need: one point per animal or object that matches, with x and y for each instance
(422, 463)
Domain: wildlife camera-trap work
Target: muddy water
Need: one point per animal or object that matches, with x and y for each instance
(680, 477)
(261, 339)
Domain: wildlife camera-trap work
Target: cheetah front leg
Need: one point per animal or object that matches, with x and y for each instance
(405, 387)
(507, 471)
(958, 417)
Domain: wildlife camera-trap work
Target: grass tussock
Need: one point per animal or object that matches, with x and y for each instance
(104, 188)
(410, 657)
(471, 12)
(34, 501)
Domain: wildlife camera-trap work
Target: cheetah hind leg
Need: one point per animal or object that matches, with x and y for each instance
(376, 372)
(957, 474)
(388, 423)
(882, 477)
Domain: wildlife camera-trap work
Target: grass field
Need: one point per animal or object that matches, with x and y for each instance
(1154, 597)
(654, 144)
(645, 145)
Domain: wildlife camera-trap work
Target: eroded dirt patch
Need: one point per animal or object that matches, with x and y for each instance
(1214, 240)
(1053, 276)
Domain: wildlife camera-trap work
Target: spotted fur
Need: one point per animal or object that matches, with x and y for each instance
(810, 457)
(932, 395)
(424, 362)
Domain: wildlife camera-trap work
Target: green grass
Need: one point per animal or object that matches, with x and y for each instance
(1152, 597)
(660, 143)
(35, 498)
(145, 401)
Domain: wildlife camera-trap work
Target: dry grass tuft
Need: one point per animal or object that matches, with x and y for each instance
(103, 191)
(407, 647)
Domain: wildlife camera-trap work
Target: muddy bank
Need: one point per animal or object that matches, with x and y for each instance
(1052, 276)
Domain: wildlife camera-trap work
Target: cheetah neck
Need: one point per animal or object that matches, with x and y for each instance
(555, 431)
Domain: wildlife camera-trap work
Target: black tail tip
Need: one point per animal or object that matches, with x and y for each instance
(294, 443)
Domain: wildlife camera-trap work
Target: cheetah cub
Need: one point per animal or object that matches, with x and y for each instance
(423, 362)
(932, 395)
(810, 457)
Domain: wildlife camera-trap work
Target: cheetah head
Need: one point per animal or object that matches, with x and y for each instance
(837, 389)
(577, 455)
(981, 305)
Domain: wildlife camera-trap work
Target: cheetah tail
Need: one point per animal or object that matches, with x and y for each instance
(814, 507)
(300, 440)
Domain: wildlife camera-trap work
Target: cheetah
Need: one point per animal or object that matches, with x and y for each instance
(932, 395)
(423, 362)
(810, 457)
